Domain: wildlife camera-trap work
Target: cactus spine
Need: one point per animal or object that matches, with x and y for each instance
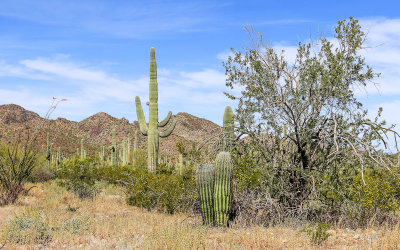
(228, 129)
(151, 131)
(205, 186)
(223, 188)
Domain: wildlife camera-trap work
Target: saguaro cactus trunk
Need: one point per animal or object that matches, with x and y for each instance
(228, 129)
(205, 186)
(223, 188)
(114, 148)
(151, 131)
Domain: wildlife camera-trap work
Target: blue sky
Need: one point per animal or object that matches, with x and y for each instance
(96, 53)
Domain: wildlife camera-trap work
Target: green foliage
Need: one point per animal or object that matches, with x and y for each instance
(42, 172)
(28, 229)
(381, 191)
(77, 225)
(16, 166)
(302, 118)
(140, 158)
(161, 191)
(317, 233)
(247, 173)
(79, 176)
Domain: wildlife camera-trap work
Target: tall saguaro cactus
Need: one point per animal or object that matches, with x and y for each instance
(151, 131)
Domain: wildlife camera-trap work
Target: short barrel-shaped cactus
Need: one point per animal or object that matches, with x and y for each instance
(205, 186)
(215, 190)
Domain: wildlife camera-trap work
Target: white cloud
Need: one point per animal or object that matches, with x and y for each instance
(202, 79)
(223, 56)
(289, 52)
(90, 88)
(8, 70)
(95, 83)
(136, 19)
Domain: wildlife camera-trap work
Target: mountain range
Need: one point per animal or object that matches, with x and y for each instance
(96, 131)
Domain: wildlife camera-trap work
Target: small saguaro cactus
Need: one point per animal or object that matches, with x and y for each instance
(205, 187)
(151, 131)
(228, 129)
(223, 188)
(180, 164)
(82, 150)
(214, 185)
(114, 148)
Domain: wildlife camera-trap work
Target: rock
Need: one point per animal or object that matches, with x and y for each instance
(331, 232)
(374, 235)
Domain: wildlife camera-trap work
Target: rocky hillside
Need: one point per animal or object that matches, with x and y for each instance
(96, 130)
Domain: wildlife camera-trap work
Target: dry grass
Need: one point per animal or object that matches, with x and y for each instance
(108, 223)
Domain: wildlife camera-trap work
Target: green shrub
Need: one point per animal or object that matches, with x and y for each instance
(317, 233)
(42, 173)
(381, 190)
(80, 176)
(16, 166)
(28, 229)
(164, 192)
(77, 225)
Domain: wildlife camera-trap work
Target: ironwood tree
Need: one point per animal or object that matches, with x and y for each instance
(303, 117)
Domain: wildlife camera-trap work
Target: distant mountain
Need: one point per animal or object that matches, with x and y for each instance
(96, 130)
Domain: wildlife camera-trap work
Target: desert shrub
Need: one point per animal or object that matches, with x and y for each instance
(139, 158)
(42, 173)
(164, 192)
(381, 191)
(28, 229)
(76, 225)
(16, 166)
(80, 176)
(317, 233)
(113, 174)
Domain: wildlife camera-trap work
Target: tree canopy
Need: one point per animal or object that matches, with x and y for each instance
(303, 116)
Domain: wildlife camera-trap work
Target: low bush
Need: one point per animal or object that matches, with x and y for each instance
(28, 229)
(80, 176)
(163, 192)
(380, 191)
(42, 173)
(77, 225)
(318, 233)
(16, 166)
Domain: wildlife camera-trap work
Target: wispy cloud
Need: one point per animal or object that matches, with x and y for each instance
(281, 22)
(136, 19)
(90, 88)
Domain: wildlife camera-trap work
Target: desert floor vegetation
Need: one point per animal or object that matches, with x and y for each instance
(49, 216)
